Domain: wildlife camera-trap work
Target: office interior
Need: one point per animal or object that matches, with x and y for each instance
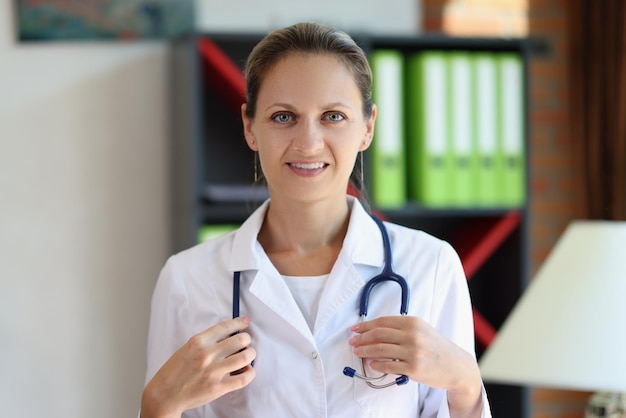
(86, 179)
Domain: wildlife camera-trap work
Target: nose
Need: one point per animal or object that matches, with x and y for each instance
(308, 137)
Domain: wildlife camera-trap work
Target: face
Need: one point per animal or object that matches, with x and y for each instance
(309, 127)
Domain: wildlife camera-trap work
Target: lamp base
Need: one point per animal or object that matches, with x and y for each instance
(606, 405)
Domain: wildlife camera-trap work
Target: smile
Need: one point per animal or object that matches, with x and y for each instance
(308, 166)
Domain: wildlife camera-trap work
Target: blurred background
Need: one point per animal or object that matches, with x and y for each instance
(85, 181)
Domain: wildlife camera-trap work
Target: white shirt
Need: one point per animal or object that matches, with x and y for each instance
(299, 371)
(306, 291)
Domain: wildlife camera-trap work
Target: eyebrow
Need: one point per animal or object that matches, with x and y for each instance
(284, 105)
(291, 107)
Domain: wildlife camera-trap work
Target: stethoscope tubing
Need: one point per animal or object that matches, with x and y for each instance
(386, 275)
(236, 293)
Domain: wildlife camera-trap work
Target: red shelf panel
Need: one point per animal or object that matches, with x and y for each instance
(222, 74)
(483, 330)
(475, 243)
(481, 238)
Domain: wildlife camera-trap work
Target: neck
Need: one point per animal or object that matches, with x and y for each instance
(304, 227)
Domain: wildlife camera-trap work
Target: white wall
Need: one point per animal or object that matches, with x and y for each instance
(84, 204)
(84, 222)
(370, 16)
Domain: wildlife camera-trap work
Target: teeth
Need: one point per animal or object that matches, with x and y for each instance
(309, 166)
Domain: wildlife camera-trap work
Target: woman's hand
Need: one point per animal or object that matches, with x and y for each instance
(208, 366)
(410, 346)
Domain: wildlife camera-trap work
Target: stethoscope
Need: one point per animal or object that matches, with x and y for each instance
(386, 275)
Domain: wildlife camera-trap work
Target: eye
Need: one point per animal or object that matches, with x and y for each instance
(335, 116)
(282, 117)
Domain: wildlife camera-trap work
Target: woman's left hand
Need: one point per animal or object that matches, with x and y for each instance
(410, 346)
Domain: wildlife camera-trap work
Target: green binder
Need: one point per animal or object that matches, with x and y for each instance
(429, 156)
(511, 128)
(387, 163)
(463, 184)
(208, 232)
(489, 174)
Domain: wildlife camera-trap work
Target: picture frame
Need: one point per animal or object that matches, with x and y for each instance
(63, 20)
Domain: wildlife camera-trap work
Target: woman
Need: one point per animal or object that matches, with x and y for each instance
(304, 256)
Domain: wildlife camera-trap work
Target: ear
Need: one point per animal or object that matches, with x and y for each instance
(369, 130)
(247, 129)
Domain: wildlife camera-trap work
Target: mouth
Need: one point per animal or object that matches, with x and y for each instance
(308, 169)
(308, 166)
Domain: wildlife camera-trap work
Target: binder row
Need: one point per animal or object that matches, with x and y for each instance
(449, 130)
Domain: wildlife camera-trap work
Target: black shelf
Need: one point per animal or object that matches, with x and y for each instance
(209, 150)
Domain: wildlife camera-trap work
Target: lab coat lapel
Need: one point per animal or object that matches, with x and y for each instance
(271, 290)
(361, 258)
(344, 283)
(259, 276)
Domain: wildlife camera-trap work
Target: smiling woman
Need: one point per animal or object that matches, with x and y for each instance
(296, 268)
(308, 126)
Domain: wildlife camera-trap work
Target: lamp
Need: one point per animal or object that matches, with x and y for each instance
(568, 330)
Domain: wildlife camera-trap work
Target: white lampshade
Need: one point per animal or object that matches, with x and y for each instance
(569, 328)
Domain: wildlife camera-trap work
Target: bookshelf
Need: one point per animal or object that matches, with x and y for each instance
(213, 176)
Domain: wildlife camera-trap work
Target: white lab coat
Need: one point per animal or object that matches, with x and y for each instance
(299, 372)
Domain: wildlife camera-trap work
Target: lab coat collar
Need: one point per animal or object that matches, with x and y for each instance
(363, 239)
(362, 245)
(362, 249)
(246, 252)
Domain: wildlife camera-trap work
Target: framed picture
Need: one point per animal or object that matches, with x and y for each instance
(50, 20)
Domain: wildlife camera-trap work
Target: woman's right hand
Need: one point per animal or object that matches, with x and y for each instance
(205, 368)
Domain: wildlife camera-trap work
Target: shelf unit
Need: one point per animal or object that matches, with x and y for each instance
(209, 150)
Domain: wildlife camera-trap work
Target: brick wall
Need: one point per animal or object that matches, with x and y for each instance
(553, 200)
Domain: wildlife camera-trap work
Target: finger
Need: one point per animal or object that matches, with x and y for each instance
(235, 325)
(238, 362)
(225, 329)
(378, 335)
(233, 344)
(396, 322)
(379, 351)
(389, 366)
(243, 377)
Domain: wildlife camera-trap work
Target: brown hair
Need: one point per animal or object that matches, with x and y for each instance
(311, 38)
